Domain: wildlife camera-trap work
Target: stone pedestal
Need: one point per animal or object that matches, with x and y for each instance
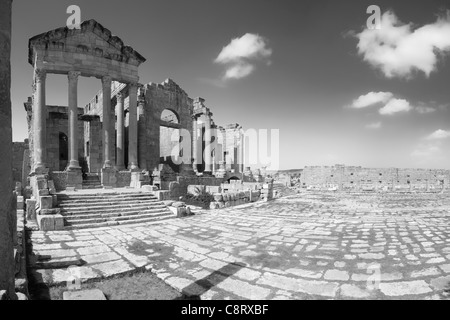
(50, 222)
(109, 179)
(136, 179)
(74, 179)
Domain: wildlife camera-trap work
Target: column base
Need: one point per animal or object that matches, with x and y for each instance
(109, 179)
(74, 178)
(108, 165)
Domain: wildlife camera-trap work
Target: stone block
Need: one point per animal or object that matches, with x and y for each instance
(150, 188)
(46, 202)
(20, 203)
(43, 192)
(42, 184)
(213, 189)
(214, 205)
(31, 209)
(162, 195)
(50, 222)
(55, 200)
(178, 204)
(49, 211)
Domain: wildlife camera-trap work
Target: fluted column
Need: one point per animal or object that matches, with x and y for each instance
(39, 122)
(120, 151)
(106, 127)
(132, 128)
(208, 138)
(73, 121)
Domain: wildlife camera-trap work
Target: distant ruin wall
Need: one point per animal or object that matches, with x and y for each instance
(358, 178)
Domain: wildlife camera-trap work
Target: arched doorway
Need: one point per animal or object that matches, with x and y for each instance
(170, 138)
(63, 151)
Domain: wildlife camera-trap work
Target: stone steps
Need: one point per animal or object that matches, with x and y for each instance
(110, 208)
(113, 214)
(106, 203)
(111, 223)
(135, 216)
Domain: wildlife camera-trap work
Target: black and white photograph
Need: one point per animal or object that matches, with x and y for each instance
(224, 154)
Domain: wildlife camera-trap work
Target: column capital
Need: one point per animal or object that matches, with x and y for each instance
(106, 81)
(133, 85)
(40, 75)
(120, 96)
(73, 75)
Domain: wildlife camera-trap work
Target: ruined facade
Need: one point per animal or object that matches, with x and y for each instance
(358, 178)
(128, 131)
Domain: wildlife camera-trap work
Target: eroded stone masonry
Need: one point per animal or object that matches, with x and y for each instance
(130, 135)
(351, 178)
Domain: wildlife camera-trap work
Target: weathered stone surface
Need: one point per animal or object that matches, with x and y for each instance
(405, 288)
(7, 212)
(336, 275)
(46, 202)
(94, 294)
(355, 292)
(178, 204)
(50, 222)
(441, 283)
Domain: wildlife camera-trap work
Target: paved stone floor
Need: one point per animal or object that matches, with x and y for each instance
(307, 246)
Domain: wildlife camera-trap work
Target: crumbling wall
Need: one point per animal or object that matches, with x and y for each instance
(358, 178)
(158, 97)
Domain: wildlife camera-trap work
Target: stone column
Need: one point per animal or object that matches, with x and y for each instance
(39, 122)
(74, 164)
(241, 151)
(208, 138)
(194, 143)
(106, 126)
(120, 154)
(7, 213)
(132, 129)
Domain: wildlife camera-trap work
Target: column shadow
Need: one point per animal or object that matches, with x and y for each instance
(199, 287)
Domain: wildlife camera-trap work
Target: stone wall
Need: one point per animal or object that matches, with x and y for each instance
(59, 179)
(18, 153)
(358, 178)
(180, 187)
(159, 97)
(7, 213)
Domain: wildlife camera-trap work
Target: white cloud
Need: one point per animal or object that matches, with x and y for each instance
(375, 125)
(398, 50)
(395, 106)
(239, 70)
(423, 109)
(371, 99)
(438, 135)
(241, 53)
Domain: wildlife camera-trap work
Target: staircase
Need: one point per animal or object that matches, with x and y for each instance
(92, 181)
(89, 210)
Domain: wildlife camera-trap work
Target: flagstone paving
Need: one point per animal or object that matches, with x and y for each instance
(307, 246)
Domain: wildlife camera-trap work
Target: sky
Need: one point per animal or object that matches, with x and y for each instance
(337, 91)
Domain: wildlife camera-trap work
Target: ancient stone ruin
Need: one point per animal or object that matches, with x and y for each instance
(130, 135)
